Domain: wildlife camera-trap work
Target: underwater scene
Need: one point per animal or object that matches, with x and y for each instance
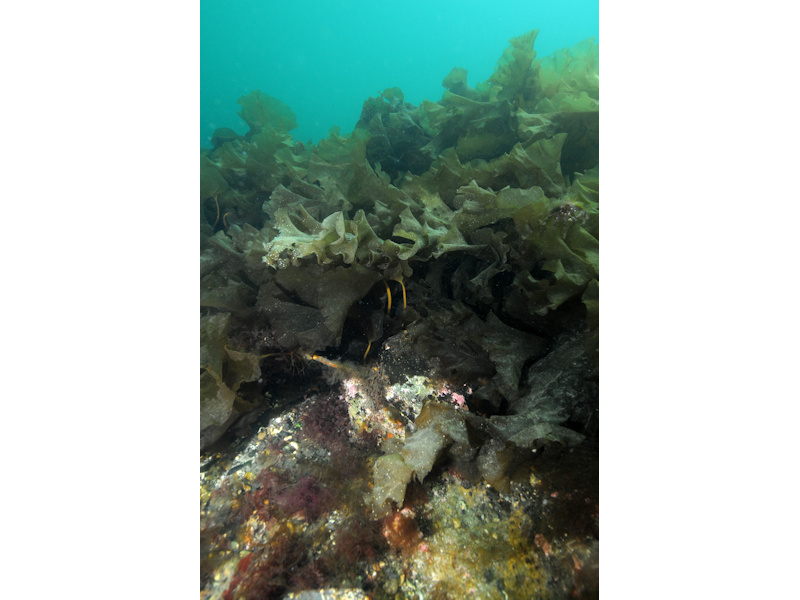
(399, 335)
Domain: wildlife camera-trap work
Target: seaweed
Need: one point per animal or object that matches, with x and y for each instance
(515, 78)
(396, 141)
(222, 372)
(479, 209)
(263, 112)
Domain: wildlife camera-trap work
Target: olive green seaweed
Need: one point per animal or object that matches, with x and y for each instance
(480, 210)
(263, 112)
(223, 370)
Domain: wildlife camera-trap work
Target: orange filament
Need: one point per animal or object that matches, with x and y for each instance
(389, 296)
(324, 361)
(402, 285)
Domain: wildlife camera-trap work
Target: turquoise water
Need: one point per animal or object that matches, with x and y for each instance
(324, 58)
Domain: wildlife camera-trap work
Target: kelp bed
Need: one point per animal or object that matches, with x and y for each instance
(399, 335)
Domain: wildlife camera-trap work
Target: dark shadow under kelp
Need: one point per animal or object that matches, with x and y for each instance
(438, 267)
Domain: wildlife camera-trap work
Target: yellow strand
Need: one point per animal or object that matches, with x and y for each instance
(402, 285)
(389, 296)
(369, 345)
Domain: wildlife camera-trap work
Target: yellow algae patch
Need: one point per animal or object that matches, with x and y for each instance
(482, 553)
